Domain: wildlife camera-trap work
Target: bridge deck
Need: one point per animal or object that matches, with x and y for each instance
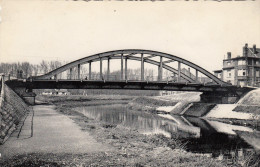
(139, 85)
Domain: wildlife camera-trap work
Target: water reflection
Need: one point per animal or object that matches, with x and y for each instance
(203, 136)
(144, 122)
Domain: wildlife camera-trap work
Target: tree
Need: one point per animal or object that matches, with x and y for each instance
(44, 67)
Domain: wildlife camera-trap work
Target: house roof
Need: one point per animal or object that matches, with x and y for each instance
(217, 71)
(257, 54)
(250, 54)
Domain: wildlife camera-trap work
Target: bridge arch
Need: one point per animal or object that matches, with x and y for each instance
(131, 54)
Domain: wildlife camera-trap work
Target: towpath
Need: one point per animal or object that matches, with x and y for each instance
(46, 131)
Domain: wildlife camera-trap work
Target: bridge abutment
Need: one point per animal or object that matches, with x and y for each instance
(219, 98)
(26, 94)
(29, 98)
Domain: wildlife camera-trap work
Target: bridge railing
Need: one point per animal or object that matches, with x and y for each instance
(1, 95)
(117, 77)
(97, 77)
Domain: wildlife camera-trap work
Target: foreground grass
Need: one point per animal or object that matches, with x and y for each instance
(130, 148)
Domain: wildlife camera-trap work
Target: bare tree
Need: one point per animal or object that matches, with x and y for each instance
(44, 66)
(54, 64)
(26, 68)
(36, 69)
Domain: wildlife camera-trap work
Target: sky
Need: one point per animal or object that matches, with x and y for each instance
(201, 32)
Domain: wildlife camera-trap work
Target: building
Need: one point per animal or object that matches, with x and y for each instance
(242, 70)
(55, 92)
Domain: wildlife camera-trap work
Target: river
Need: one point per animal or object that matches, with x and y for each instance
(211, 138)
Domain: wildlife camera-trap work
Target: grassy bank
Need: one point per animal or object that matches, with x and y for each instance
(148, 104)
(250, 103)
(254, 109)
(80, 100)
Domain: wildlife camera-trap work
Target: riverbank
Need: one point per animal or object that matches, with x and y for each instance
(245, 113)
(130, 147)
(12, 111)
(172, 104)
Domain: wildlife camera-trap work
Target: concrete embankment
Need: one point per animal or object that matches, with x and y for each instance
(12, 111)
(199, 109)
(184, 103)
(187, 103)
(250, 103)
(174, 104)
(248, 108)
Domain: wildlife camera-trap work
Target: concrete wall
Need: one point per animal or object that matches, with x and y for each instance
(12, 110)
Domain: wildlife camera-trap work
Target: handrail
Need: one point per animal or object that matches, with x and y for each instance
(1, 96)
(2, 90)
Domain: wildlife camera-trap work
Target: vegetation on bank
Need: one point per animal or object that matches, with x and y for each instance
(81, 100)
(254, 109)
(250, 103)
(148, 104)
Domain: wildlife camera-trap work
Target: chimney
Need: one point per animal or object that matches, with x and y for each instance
(229, 55)
(245, 50)
(254, 49)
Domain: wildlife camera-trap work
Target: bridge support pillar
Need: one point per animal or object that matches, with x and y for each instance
(126, 68)
(89, 70)
(100, 71)
(108, 68)
(196, 79)
(142, 66)
(160, 69)
(219, 98)
(78, 71)
(179, 71)
(122, 67)
(70, 73)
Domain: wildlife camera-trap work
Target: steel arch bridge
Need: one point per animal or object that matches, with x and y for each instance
(144, 56)
(216, 91)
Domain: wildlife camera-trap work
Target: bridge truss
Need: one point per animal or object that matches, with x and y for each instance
(143, 56)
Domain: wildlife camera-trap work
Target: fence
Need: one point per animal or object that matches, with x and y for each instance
(1, 98)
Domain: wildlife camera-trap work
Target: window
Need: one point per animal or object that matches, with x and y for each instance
(241, 72)
(241, 62)
(257, 73)
(229, 73)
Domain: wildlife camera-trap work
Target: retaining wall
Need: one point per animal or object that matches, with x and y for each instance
(12, 110)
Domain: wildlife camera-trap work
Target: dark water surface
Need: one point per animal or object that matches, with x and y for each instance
(212, 138)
